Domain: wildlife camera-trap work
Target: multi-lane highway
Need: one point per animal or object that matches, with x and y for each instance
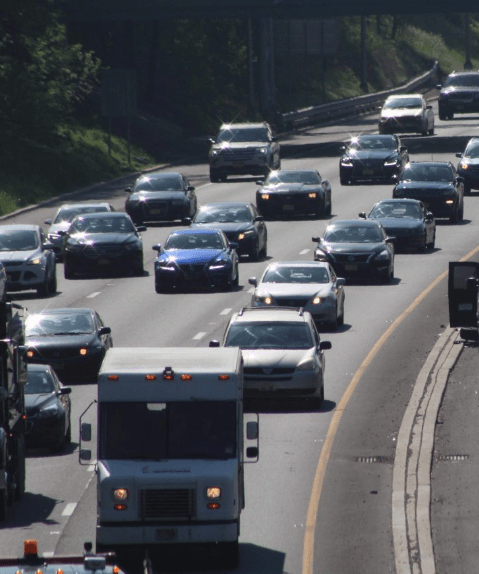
(319, 499)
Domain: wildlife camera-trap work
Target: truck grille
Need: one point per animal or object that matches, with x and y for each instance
(179, 503)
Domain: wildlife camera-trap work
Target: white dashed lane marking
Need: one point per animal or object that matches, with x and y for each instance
(69, 509)
(199, 335)
(93, 294)
(304, 251)
(226, 311)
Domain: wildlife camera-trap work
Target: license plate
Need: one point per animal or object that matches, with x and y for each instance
(351, 267)
(288, 207)
(238, 164)
(103, 261)
(156, 211)
(368, 171)
(165, 534)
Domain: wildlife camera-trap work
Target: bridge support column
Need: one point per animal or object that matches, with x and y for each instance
(266, 55)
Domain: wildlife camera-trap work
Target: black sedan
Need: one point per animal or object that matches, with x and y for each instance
(372, 158)
(73, 341)
(241, 224)
(290, 192)
(102, 242)
(408, 220)
(357, 248)
(435, 183)
(197, 258)
(161, 196)
(48, 409)
(468, 166)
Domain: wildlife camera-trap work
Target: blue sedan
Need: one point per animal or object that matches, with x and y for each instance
(196, 258)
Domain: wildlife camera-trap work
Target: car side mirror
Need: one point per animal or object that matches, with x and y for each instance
(186, 221)
(48, 245)
(391, 239)
(340, 281)
(128, 189)
(458, 154)
(325, 345)
(429, 216)
(259, 218)
(191, 188)
(141, 227)
(85, 432)
(234, 245)
(438, 86)
(104, 331)
(47, 222)
(428, 107)
(315, 239)
(362, 214)
(65, 390)
(342, 148)
(259, 181)
(156, 247)
(253, 281)
(214, 343)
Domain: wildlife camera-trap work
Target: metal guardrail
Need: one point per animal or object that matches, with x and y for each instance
(350, 107)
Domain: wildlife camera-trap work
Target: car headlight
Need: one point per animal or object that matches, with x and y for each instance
(317, 301)
(262, 150)
(383, 256)
(307, 365)
(49, 412)
(267, 300)
(463, 165)
(389, 162)
(221, 264)
(312, 195)
(34, 261)
(265, 196)
(320, 255)
(245, 234)
(347, 161)
(166, 265)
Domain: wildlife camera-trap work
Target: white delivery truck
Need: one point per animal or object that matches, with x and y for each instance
(171, 451)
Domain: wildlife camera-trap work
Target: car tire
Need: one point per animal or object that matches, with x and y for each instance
(68, 436)
(431, 131)
(158, 288)
(53, 282)
(67, 271)
(235, 281)
(264, 251)
(44, 289)
(215, 176)
(3, 504)
(467, 188)
(344, 180)
(454, 217)
(330, 208)
(442, 115)
(432, 244)
(255, 255)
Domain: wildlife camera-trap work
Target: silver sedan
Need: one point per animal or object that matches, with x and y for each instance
(312, 285)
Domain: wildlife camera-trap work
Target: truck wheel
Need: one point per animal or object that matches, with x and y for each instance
(3, 504)
(20, 478)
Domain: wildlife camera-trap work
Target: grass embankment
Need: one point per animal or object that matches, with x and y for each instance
(33, 171)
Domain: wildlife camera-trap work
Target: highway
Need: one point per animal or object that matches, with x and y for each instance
(307, 510)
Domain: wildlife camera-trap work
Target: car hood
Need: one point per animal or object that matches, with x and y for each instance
(101, 238)
(191, 255)
(274, 357)
(227, 227)
(36, 402)
(60, 341)
(290, 188)
(352, 247)
(6, 256)
(460, 90)
(399, 223)
(155, 195)
(371, 154)
(293, 289)
(401, 113)
(239, 145)
(424, 185)
(60, 226)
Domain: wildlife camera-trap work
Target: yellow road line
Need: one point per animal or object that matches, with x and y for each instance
(308, 541)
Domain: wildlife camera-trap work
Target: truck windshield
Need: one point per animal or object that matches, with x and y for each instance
(177, 430)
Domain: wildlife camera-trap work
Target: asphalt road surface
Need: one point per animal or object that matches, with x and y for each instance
(305, 511)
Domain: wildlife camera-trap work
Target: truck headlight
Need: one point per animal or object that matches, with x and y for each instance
(213, 492)
(120, 494)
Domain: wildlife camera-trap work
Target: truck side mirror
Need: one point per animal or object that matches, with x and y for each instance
(252, 431)
(252, 452)
(85, 432)
(85, 454)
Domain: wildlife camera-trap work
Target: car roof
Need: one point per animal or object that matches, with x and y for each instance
(465, 73)
(266, 314)
(85, 204)
(447, 163)
(196, 231)
(245, 125)
(160, 174)
(227, 204)
(375, 136)
(103, 215)
(299, 264)
(397, 200)
(20, 226)
(355, 222)
(397, 96)
(64, 311)
(38, 367)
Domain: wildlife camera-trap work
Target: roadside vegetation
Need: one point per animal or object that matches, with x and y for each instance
(55, 139)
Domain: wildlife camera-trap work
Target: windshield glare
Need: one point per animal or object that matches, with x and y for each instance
(269, 335)
(427, 173)
(55, 324)
(68, 213)
(304, 177)
(223, 215)
(176, 430)
(243, 135)
(167, 183)
(396, 209)
(102, 225)
(192, 241)
(353, 234)
(466, 80)
(18, 240)
(296, 275)
(372, 143)
(398, 103)
(38, 382)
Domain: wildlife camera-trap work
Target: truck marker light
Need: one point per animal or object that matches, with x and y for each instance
(223, 377)
(83, 351)
(213, 492)
(30, 353)
(150, 377)
(120, 507)
(113, 377)
(116, 569)
(59, 571)
(30, 547)
(186, 378)
(168, 374)
(213, 505)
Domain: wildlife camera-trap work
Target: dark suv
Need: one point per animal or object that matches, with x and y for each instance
(435, 183)
(243, 149)
(459, 94)
(468, 167)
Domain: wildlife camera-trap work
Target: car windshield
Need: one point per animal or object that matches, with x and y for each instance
(353, 234)
(472, 150)
(194, 241)
(39, 382)
(269, 335)
(396, 209)
(223, 215)
(372, 143)
(164, 183)
(296, 275)
(427, 173)
(243, 135)
(68, 213)
(101, 225)
(462, 80)
(46, 324)
(401, 103)
(18, 240)
(305, 177)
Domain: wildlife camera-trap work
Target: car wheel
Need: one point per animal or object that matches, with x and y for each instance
(53, 282)
(467, 188)
(432, 244)
(68, 271)
(341, 318)
(450, 115)
(214, 176)
(442, 115)
(330, 208)
(255, 255)
(235, 281)
(158, 288)
(68, 436)
(344, 180)
(60, 447)
(460, 215)
(44, 289)
(431, 131)
(264, 251)
(455, 216)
